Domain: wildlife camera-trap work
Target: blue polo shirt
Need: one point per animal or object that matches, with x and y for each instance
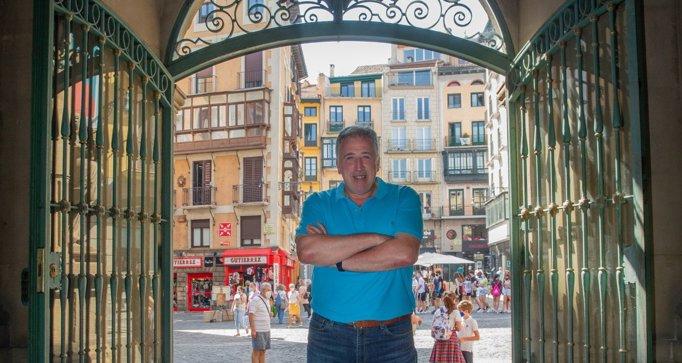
(352, 296)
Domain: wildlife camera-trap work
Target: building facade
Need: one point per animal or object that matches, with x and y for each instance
(464, 187)
(232, 227)
(411, 130)
(497, 205)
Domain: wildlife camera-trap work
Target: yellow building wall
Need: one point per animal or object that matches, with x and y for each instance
(466, 114)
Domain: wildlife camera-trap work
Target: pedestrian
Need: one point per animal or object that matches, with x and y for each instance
(448, 350)
(421, 294)
(259, 321)
(438, 289)
(496, 292)
(280, 303)
(293, 307)
(239, 309)
(363, 225)
(468, 332)
(468, 287)
(506, 292)
(305, 299)
(482, 285)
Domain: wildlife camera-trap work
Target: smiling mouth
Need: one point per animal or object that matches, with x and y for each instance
(360, 177)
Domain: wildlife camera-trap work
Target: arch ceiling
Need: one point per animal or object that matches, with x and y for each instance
(469, 29)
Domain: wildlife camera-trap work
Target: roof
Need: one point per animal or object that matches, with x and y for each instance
(369, 69)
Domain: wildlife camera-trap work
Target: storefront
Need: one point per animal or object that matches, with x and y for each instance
(258, 265)
(196, 279)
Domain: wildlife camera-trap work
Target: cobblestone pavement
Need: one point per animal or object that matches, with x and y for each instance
(196, 341)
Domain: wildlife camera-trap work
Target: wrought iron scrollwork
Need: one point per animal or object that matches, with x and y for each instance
(238, 17)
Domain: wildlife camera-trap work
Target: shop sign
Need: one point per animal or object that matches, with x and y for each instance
(209, 261)
(451, 234)
(187, 262)
(219, 261)
(246, 260)
(225, 230)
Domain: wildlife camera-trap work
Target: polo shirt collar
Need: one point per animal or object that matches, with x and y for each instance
(380, 192)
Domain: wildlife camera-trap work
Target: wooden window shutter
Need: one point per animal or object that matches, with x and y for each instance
(253, 179)
(250, 227)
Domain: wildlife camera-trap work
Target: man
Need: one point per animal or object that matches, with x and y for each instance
(259, 321)
(362, 238)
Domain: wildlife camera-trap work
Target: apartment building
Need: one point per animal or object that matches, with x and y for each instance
(465, 176)
(411, 131)
(232, 227)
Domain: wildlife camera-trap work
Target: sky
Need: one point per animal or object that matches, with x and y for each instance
(346, 56)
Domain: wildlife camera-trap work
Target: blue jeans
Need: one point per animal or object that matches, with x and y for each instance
(239, 319)
(332, 342)
(280, 315)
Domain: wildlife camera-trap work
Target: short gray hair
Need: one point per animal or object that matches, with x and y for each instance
(357, 131)
(265, 284)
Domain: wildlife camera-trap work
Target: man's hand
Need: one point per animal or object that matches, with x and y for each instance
(253, 333)
(400, 251)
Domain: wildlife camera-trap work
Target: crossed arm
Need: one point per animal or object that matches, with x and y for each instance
(359, 252)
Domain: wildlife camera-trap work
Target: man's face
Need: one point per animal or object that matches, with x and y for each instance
(358, 165)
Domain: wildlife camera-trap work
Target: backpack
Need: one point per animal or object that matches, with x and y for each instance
(278, 300)
(440, 328)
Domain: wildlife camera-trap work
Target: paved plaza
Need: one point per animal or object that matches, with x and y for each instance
(196, 341)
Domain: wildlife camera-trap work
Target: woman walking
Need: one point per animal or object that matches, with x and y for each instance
(506, 292)
(496, 292)
(239, 310)
(449, 351)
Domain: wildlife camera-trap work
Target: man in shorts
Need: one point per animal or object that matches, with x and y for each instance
(259, 321)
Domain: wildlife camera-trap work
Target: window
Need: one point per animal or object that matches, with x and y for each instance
(201, 118)
(425, 199)
(336, 114)
(398, 169)
(329, 152)
(368, 89)
(201, 233)
(310, 132)
(474, 232)
(478, 132)
(255, 113)
(310, 169)
(310, 111)
(418, 55)
(398, 138)
(408, 55)
(477, 99)
(255, 7)
(479, 197)
(456, 200)
(203, 81)
(398, 109)
(424, 170)
(423, 141)
(201, 182)
(423, 111)
(252, 179)
(466, 162)
(205, 13)
(347, 90)
(454, 100)
(422, 78)
(365, 116)
(480, 162)
(455, 134)
(250, 228)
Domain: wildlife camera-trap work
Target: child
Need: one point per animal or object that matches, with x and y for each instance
(448, 351)
(468, 332)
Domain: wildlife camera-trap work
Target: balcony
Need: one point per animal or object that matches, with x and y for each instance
(250, 194)
(251, 79)
(335, 126)
(410, 80)
(465, 165)
(411, 145)
(365, 123)
(496, 209)
(198, 196)
(204, 85)
(291, 201)
(399, 177)
(424, 177)
(451, 141)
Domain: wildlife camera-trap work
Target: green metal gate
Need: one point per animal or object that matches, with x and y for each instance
(100, 231)
(578, 153)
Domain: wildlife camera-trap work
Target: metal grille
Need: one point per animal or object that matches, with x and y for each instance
(108, 219)
(574, 224)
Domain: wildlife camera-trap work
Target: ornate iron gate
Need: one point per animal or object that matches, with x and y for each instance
(103, 261)
(576, 152)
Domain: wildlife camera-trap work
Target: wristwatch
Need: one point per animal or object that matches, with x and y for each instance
(339, 266)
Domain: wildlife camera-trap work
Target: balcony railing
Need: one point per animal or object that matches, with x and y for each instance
(199, 196)
(249, 193)
(424, 176)
(399, 176)
(451, 141)
(335, 126)
(411, 145)
(357, 92)
(365, 123)
(468, 211)
(251, 79)
(204, 85)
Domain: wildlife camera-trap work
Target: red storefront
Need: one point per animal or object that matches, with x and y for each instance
(258, 265)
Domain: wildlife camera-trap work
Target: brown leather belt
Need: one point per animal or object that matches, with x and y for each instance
(376, 323)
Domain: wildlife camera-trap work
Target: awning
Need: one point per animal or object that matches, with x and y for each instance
(429, 259)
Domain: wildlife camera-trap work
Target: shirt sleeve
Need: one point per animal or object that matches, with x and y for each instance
(311, 214)
(474, 325)
(409, 216)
